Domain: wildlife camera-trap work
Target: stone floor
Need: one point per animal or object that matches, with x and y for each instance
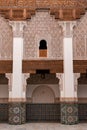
(43, 126)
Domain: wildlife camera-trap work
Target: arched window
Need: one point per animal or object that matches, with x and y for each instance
(43, 48)
(43, 44)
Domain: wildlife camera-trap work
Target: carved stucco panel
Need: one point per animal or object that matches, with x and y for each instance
(79, 39)
(45, 26)
(5, 40)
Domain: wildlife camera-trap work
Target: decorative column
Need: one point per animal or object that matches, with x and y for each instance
(69, 106)
(17, 114)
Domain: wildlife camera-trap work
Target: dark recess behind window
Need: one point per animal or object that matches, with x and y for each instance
(42, 71)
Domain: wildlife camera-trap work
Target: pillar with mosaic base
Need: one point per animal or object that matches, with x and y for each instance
(17, 113)
(69, 113)
(69, 104)
(17, 105)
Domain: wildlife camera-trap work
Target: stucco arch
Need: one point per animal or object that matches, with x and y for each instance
(43, 94)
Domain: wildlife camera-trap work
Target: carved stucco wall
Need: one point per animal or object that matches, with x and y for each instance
(5, 40)
(43, 26)
(80, 39)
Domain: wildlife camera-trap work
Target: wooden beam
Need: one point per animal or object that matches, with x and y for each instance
(55, 66)
(6, 66)
(80, 66)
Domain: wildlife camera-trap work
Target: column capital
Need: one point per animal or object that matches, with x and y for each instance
(67, 28)
(60, 76)
(25, 77)
(76, 76)
(17, 27)
(9, 77)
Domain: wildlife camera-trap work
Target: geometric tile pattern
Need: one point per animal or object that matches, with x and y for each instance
(17, 113)
(69, 113)
(82, 112)
(42, 112)
(3, 112)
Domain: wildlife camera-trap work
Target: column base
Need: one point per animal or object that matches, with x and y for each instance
(17, 113)
(69, 113)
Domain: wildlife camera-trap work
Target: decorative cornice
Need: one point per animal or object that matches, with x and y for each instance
(62, 9)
